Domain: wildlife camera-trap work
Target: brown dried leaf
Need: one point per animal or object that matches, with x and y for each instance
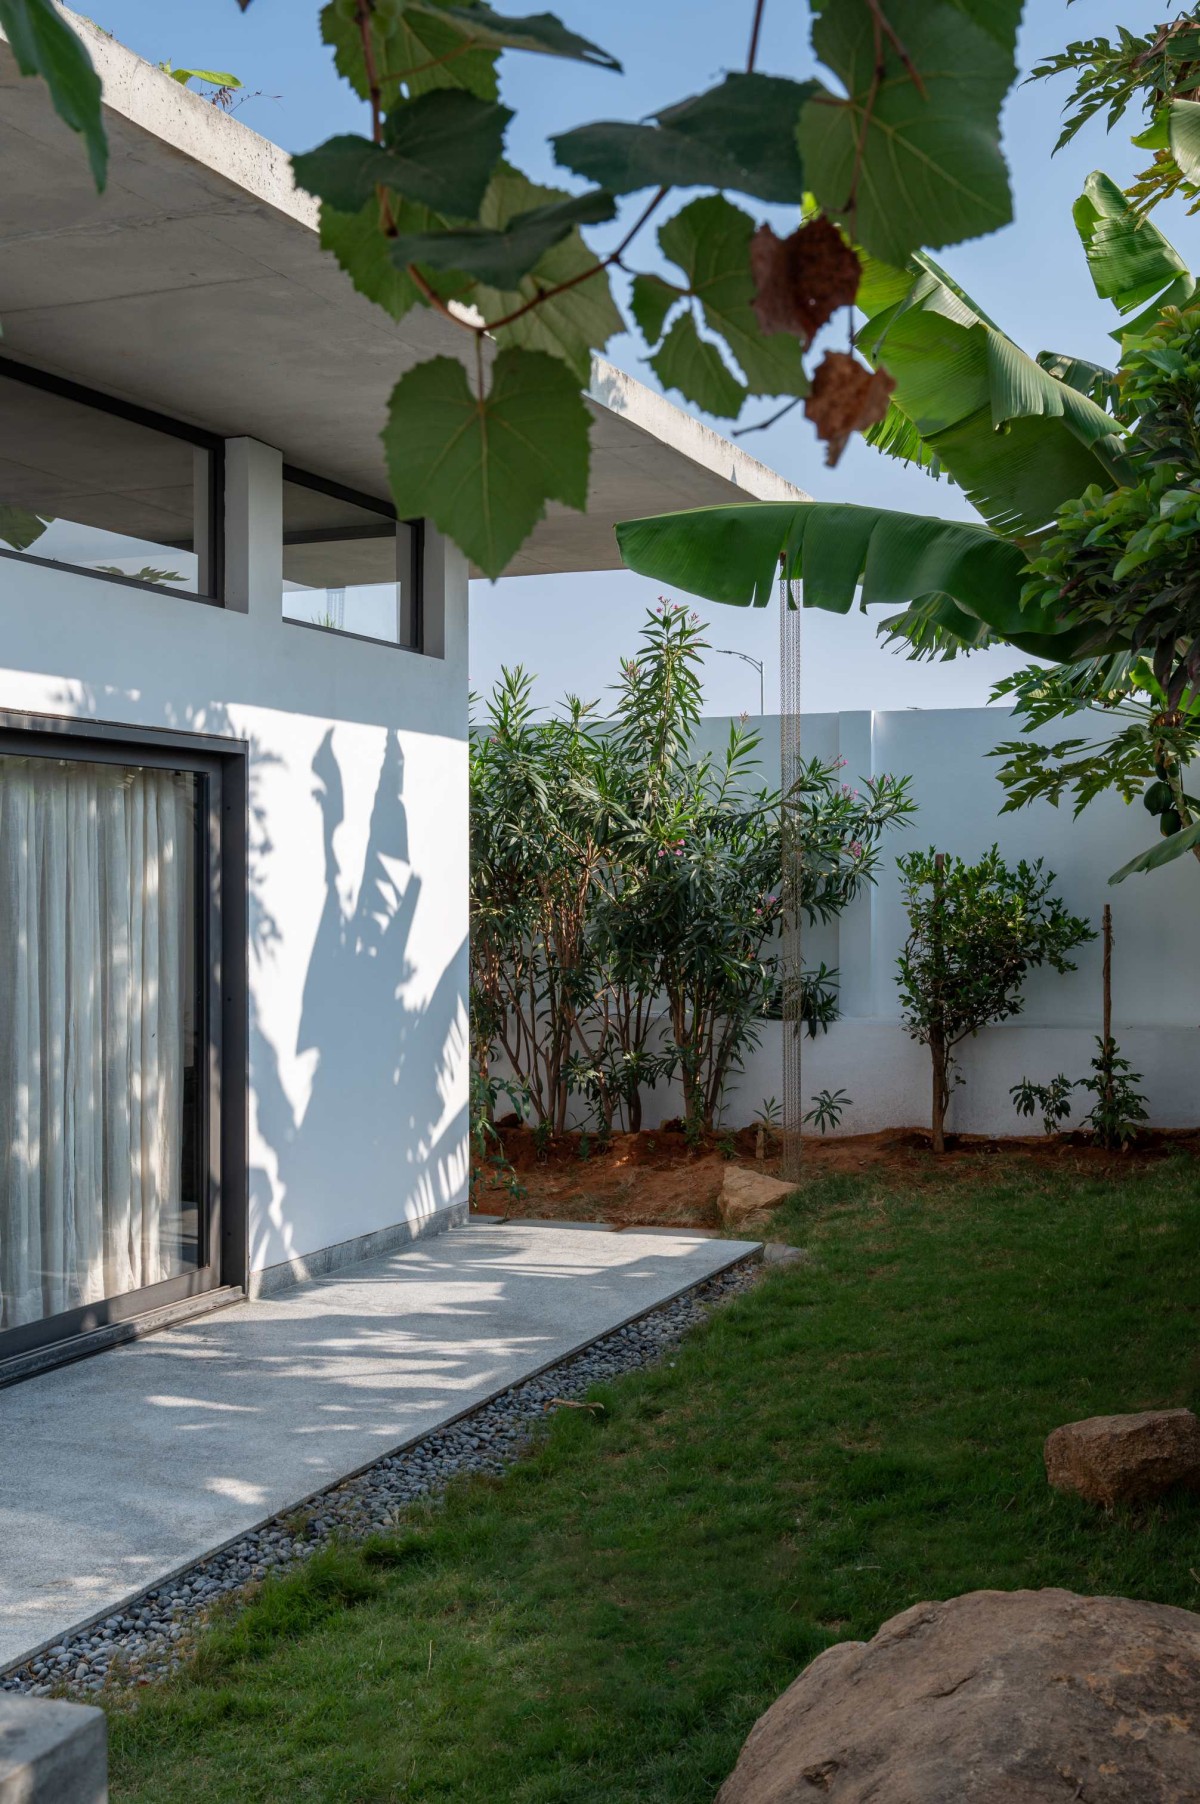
(845, 397)
(802, 280)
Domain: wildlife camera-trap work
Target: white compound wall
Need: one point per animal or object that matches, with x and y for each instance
(1156, 922)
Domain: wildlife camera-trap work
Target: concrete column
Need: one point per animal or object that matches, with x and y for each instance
(51, 1753)
(445, 579)
(253, 528)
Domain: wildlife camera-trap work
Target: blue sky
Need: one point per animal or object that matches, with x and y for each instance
(1030, 277)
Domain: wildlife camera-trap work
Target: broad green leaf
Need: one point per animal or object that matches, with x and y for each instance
(1165, 851)
(570, 325)
(930, 170)
(897, 436)
(936, 627)
(44, 44)
(882, 286)
(650, 301)
(1017, 439)
(501, 257)
(418, 50)
(1095, 380)
(19, 528)
(687, 362)
(1157, 134)
(365, 254)
(732, 554)
(216, 78)
(999, 18)
(740, 135)
(483, 469)
(710, 242)
(441, 149)
(1183, 127)
(735, 554)
(541, 32)
(1130, 260)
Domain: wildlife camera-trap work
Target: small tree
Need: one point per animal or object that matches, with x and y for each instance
(975, 930)
(617, 873)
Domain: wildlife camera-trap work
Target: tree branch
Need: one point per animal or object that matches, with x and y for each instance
(362, 15)
(612, 260)
(760, 7)
(761, 425)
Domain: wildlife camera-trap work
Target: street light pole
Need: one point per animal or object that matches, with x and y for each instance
(722, 652)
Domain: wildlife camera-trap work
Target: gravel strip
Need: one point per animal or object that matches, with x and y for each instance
(153, 1634)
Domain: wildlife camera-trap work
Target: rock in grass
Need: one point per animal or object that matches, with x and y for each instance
(747, 1197)
(991, 1698)
(1125, 1459)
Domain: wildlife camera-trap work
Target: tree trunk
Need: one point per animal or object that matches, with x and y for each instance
(1108, 1045)
(635, 1112)
(941, 1090)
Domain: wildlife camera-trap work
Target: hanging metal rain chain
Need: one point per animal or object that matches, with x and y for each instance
(790, 961)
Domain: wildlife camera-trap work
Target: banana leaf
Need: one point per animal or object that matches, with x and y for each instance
(1130, 260)
(1165, 851)
(1016, 438)
(734, 554)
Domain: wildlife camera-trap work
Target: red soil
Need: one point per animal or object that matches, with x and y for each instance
(655, 1179)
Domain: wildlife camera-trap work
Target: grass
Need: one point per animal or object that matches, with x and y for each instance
(604, 1625)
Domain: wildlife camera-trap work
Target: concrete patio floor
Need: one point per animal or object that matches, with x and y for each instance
(121, 1470)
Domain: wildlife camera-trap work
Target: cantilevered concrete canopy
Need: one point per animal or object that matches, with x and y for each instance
(196, 285)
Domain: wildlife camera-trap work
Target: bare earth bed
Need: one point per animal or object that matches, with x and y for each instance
(655, 1179)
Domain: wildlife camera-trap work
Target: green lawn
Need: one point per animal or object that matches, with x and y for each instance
(605, 1624)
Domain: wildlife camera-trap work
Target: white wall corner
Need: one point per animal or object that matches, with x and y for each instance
(253, 527)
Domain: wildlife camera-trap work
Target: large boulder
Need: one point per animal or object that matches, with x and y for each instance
(997, 1697)
(748, 1197)
(1125, 1459)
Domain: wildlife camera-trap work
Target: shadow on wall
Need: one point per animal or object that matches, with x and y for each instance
(378, 1140)
(376, 1114)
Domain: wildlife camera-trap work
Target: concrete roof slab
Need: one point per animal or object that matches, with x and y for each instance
(196, 284)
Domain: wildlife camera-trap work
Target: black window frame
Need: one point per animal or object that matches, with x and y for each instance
(338, 491)
(211, 442)
(221, 767)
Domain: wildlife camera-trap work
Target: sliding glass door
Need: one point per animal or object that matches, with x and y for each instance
(107, 902)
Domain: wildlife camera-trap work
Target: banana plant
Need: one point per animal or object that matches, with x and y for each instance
(1027, 439)
(1020, 435)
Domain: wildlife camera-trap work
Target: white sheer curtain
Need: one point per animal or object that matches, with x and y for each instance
(94, 912)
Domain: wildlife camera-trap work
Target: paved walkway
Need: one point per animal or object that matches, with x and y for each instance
(122, 1469)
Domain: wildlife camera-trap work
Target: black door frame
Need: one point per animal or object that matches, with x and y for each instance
(221, 766)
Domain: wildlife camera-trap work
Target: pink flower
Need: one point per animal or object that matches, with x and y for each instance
(856, 850)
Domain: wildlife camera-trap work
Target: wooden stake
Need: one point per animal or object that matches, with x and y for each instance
(937, 1039)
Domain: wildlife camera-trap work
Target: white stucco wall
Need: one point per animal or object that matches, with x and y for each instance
(1156, 925)
(357, 853)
